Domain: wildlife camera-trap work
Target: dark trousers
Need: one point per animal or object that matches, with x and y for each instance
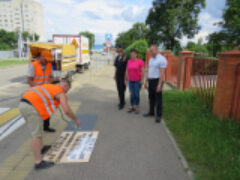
(155, 99)
(46, 123)
(121, 88)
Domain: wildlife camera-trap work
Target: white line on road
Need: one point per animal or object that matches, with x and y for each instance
(11, 126)
(3, 110)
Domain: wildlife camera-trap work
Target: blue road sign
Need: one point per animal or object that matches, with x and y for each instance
(108, 37)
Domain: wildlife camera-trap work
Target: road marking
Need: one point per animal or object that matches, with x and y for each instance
(8, 115)
(20, 163)
(11, 126)
(3, 110)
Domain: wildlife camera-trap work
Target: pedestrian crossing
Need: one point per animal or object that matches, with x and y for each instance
(10, 120)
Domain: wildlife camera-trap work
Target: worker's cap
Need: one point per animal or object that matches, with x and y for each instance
(47, 55)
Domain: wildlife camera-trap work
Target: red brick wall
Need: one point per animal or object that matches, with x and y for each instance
(228, 86)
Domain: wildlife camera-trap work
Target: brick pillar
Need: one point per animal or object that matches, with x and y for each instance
(188, 73)
(227, 96)
(182, 68)
(168, 72)
(148, 57)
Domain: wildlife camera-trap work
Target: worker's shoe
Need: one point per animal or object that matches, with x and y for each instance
(50, 130)
(43, 165)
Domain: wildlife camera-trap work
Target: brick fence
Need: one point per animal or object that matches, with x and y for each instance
(217, 80)
(227, 96)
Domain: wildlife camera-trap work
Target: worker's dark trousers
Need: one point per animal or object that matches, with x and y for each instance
(121, 87)
(46, 123)
(154, 97)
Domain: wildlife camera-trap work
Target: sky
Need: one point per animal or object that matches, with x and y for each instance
(113, 16)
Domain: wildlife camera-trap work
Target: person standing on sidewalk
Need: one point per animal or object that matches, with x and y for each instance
(40, 72)
(119, 76)
(154, 81)
(135, 76)
(38, 104)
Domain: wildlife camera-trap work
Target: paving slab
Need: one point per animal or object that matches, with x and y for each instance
(129, 146)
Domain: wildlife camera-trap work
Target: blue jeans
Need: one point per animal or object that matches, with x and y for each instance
(134, 87)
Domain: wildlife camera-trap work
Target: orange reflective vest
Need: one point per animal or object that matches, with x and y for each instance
(43, 99)
(41, 77)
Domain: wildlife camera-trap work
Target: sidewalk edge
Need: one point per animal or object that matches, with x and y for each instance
(179, 152)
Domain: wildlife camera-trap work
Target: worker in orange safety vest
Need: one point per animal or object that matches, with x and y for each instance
(38, 104)
(40, 72)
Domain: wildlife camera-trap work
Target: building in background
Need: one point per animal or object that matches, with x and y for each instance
(22, 15)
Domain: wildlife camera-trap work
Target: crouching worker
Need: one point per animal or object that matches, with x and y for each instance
(39, 103)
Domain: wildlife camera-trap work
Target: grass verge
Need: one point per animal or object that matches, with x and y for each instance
(211, 146)
(12, 62)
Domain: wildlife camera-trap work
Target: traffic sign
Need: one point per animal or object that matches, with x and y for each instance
(108, 44)
(108, 37)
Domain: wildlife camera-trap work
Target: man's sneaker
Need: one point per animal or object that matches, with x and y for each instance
(43, 165)
(50, 130)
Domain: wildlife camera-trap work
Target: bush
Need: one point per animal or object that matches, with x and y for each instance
(141, 46)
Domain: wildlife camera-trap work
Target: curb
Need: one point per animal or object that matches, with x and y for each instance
(179, 152)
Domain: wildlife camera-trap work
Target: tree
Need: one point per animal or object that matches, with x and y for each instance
(199, 48)
(8, 40)
(141, 46)
(90, 36)
(137, 32)
(231, 24)
(170, 20)
(229, 36)
(219, 42)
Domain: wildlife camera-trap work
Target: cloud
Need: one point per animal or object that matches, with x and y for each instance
(207, 18)
(91, 15)
(111, 16)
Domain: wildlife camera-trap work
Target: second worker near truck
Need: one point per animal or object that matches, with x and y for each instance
(39, 73)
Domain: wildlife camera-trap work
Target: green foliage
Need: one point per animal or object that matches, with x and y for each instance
(12, 62)
(137, 32)
(231, 24)
(141, 46)
(229, 36)
(219, 42)
(9, 40)
(171, 20)
(199, 48)
(27, 36)
(210, 146)
(90, 36)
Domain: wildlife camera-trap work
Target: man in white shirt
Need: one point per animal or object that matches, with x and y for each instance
(156, 70)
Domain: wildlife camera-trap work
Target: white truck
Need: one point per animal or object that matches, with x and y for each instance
(82, 45)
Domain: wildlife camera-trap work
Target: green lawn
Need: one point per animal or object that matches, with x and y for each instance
(211, 146)
(12, 62)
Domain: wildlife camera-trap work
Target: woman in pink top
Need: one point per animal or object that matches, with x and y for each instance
(135, 76)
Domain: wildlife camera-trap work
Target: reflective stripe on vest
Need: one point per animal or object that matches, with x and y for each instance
(49, 96)
(40, 76)
(44, 100)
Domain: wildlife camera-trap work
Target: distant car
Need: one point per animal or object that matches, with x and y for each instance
(104, 53)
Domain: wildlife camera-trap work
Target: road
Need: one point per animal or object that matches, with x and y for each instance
(129, 146)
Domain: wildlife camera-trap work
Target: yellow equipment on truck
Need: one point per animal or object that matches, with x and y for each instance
(64, 57)
(82, 45)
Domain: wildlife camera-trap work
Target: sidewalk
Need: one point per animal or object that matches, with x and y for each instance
(129, 146)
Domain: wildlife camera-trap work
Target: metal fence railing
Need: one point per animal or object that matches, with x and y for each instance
(204, 78)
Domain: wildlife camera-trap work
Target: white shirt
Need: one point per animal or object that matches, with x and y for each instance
(155, 64)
